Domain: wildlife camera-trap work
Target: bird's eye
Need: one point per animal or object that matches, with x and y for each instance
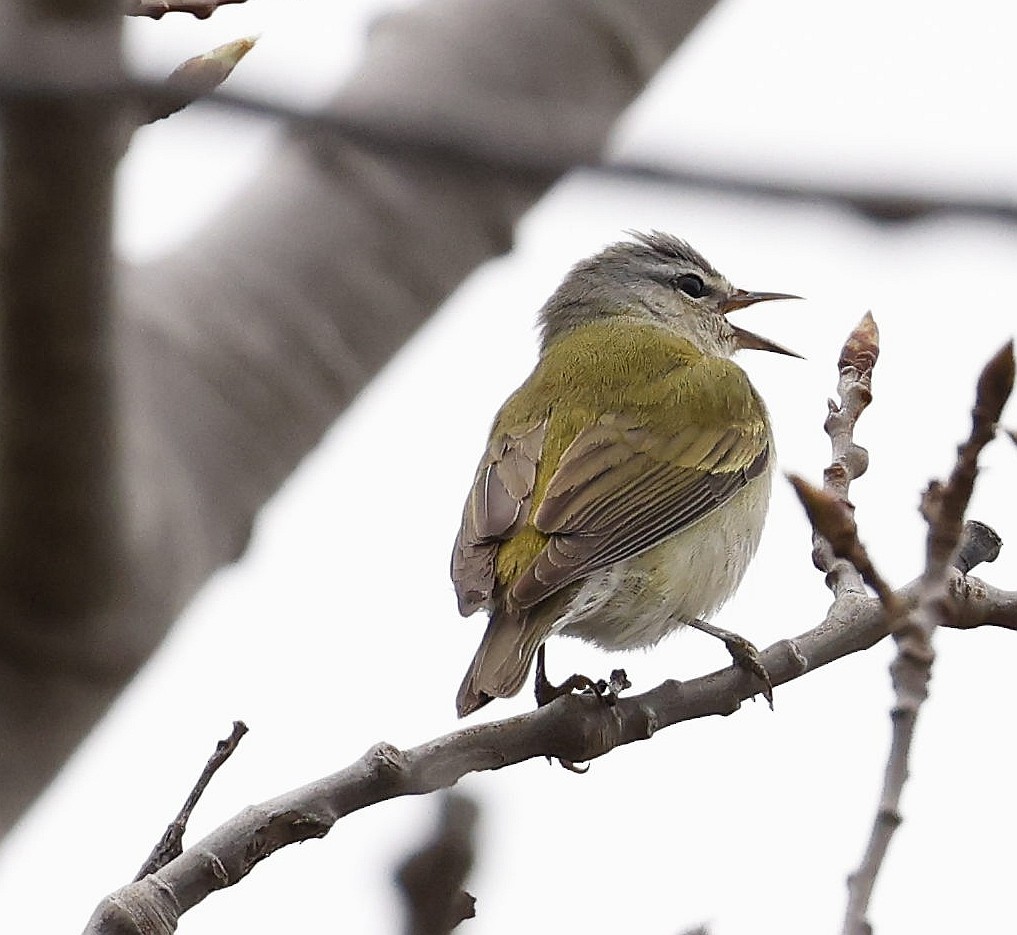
(691, 285)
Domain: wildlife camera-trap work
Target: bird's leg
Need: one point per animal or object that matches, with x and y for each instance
(545, 692)
(743, 654)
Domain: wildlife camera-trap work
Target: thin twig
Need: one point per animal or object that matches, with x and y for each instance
(943, 507)
(432, 878)
(849, 460)
(170, 845)
(157, 9)
(834, 528)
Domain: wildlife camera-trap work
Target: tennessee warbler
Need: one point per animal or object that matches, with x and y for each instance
(625, 483)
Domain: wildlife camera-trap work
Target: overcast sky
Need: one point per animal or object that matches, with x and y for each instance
(749, 823)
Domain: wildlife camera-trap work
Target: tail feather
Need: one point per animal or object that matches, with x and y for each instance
(503, 660)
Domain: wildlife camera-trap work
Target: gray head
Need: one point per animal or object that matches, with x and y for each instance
(658, 278)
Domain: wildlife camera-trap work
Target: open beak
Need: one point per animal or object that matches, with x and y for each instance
(747, 339)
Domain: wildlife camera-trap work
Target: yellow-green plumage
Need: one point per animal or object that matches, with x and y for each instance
(624, 366)
(625, 483)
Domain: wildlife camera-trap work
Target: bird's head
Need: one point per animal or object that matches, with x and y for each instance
(659, 278)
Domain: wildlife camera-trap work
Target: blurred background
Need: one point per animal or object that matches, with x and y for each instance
(749, 823)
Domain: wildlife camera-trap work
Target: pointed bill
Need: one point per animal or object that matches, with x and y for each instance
(752, 341)
(741, 298)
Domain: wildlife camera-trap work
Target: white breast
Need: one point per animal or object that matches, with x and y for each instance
(637, 602)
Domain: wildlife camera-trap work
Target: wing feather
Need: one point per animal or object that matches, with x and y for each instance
(619, 490)
(571, 483)
(497, 507)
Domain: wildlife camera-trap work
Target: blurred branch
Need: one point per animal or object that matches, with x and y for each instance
(170, 845)
(883, 206)
(943, 506)
(156, 9)
(61, 520)
(432, 879)
(155, 442)
(528, 156)
(886, 205)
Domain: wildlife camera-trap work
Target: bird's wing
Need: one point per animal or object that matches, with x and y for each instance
(623, 486)
(497, 508)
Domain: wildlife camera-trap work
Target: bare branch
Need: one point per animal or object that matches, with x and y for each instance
(833, 519)
(199, 76)
(157, 9)
(978, 604)
(432, 879)
(943, 506)
(850, 461)
(171, 843)
(579, 728)
(576, 728)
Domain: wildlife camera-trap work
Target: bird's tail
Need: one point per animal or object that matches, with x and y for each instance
(503, 660)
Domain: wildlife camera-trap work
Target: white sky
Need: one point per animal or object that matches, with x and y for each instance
(750, 823)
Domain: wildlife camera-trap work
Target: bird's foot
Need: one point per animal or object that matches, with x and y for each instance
(545, 692)
(607, 690)
(616, 683)
(743, 654)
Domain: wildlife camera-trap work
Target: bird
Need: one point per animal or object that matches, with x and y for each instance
(625, 484)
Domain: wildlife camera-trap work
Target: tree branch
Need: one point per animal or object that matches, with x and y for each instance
(170, 845)
(376, 132)
(944, 506)
(849, 460)
(576, 728)
(432, 879)
(61, 518)
(836, 535)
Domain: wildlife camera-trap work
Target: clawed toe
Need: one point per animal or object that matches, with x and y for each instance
(743, 654)
(607, 690)
(545, 692)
